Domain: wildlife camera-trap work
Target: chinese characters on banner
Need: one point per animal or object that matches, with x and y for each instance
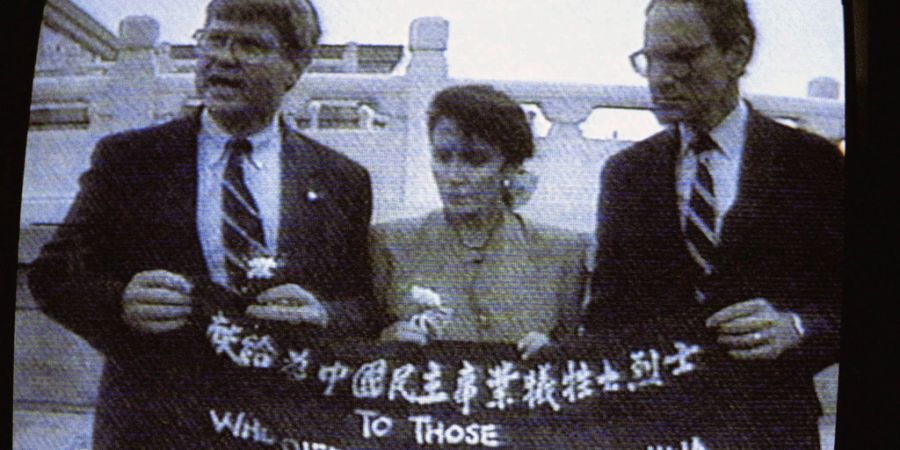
(483, 396)
(503, 386)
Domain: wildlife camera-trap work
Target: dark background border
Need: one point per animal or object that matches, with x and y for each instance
(867, 398)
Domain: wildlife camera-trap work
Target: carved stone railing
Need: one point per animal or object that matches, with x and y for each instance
(377, 119)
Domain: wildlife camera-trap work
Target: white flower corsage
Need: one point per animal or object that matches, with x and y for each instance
(432, 320)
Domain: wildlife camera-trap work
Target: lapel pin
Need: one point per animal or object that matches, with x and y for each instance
(312, 196)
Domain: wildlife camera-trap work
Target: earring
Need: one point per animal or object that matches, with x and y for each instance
(506, 183)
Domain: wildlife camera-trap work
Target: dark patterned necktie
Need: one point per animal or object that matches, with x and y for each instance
(700, 218)
(242, 230)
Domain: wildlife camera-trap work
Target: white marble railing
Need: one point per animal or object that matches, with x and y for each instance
(377, 119)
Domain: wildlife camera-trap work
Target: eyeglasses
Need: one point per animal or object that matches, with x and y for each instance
(243, 47)
(679, 63)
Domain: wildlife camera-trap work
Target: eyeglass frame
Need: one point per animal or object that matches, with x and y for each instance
(230, 45)
(684, 61)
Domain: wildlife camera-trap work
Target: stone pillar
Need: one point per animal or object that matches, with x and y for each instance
(129, 99)
(824, 87)
(350, 58)
(428, 38)
(426, 74)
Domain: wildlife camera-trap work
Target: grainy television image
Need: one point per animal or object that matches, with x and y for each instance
(361, 224)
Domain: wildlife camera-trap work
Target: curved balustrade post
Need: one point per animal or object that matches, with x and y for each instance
(313, 108)
(567, 165)
(566, 114)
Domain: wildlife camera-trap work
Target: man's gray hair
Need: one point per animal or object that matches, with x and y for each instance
(727, 20)
(296, 21)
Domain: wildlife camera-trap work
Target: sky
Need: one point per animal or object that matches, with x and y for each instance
(580, 41)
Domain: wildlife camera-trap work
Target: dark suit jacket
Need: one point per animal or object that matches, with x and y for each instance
(782, 240)
(136, 211)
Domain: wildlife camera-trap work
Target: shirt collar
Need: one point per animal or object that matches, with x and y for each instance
(729, 134)
(263, 141)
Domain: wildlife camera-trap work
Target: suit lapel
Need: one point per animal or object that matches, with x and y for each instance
(303, 195)
(181, 145)
(664, 170)
(178, 196)
(753, 195)
(661, 180)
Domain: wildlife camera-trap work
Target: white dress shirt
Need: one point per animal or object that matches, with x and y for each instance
(262, 175)
(724, 164)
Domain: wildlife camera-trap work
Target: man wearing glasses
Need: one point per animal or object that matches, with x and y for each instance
(725, 231)
(229, 210)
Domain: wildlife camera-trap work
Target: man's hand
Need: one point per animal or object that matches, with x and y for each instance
(405, 331)
(754, 329)
(289, 303)
(532, 343)
(156, 301)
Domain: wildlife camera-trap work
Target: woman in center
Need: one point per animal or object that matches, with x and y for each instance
(475, 270)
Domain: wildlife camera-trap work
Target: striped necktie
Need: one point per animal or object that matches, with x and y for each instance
(242, 229)
(700, 221)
